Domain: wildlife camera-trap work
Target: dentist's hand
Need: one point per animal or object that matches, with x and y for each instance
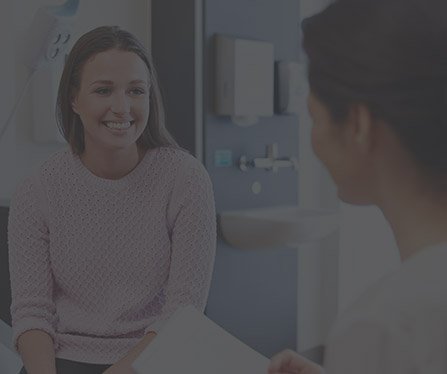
(290, 362)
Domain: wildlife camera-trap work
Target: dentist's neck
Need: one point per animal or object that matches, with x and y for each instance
(418, 217)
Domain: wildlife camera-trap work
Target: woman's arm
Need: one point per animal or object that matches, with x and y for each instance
(32, 309)
(193, 246)
(36, 348)
(192, 217)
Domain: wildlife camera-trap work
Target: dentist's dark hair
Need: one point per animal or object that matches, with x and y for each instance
(93, 42)
(390, 55)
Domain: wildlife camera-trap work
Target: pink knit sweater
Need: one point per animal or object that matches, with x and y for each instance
(98, 263)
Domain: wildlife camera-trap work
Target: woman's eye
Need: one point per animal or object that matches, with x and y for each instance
(103, 91)
(137, 91)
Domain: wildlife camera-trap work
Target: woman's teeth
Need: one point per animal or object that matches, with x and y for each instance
(118, 125)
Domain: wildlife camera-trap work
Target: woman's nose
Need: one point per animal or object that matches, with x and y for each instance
(120, 103)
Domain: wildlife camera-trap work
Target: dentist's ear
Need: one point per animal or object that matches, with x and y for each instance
(364, 128)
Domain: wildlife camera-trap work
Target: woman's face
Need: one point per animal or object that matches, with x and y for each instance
(336, 145)
(113, 100)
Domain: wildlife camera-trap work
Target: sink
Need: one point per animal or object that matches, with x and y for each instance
(275, 227)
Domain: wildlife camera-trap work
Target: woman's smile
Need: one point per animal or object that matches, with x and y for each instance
(118, 126)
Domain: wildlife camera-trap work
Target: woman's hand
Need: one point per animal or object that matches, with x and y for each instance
(121, 367)
(124, 366)
(290, 362)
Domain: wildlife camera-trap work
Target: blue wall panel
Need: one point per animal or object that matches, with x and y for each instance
(254, 293)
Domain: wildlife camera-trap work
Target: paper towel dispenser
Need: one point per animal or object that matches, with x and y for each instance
(292, 86)
(244, 79)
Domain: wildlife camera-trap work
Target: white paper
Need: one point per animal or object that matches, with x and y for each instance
(191, 343)
(10, 362)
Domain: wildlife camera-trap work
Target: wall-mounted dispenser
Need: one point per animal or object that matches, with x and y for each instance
(292, 84)
(244, 79)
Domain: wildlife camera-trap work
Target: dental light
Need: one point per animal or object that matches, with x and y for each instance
(46, 41)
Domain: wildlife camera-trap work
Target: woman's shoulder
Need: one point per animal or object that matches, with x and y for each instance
(50, 167)
(57, 162)
(32, 188)
(179, 161)
(179, 155)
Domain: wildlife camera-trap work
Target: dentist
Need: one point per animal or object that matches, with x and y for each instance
(378, 79)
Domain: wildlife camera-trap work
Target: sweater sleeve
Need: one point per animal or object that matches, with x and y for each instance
(193, 243)
(29, 261)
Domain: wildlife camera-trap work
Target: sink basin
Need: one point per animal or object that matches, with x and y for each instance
(280, 226)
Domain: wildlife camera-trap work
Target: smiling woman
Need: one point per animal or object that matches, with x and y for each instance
(112, 104)
(115, 233)
(93, 62)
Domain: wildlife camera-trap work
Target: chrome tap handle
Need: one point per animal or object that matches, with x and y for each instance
(272, 151)
(244, 164)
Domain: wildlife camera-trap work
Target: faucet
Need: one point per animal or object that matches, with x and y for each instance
(271, 162)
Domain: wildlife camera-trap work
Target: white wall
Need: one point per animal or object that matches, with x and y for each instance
(19, 154)
(7, 173)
